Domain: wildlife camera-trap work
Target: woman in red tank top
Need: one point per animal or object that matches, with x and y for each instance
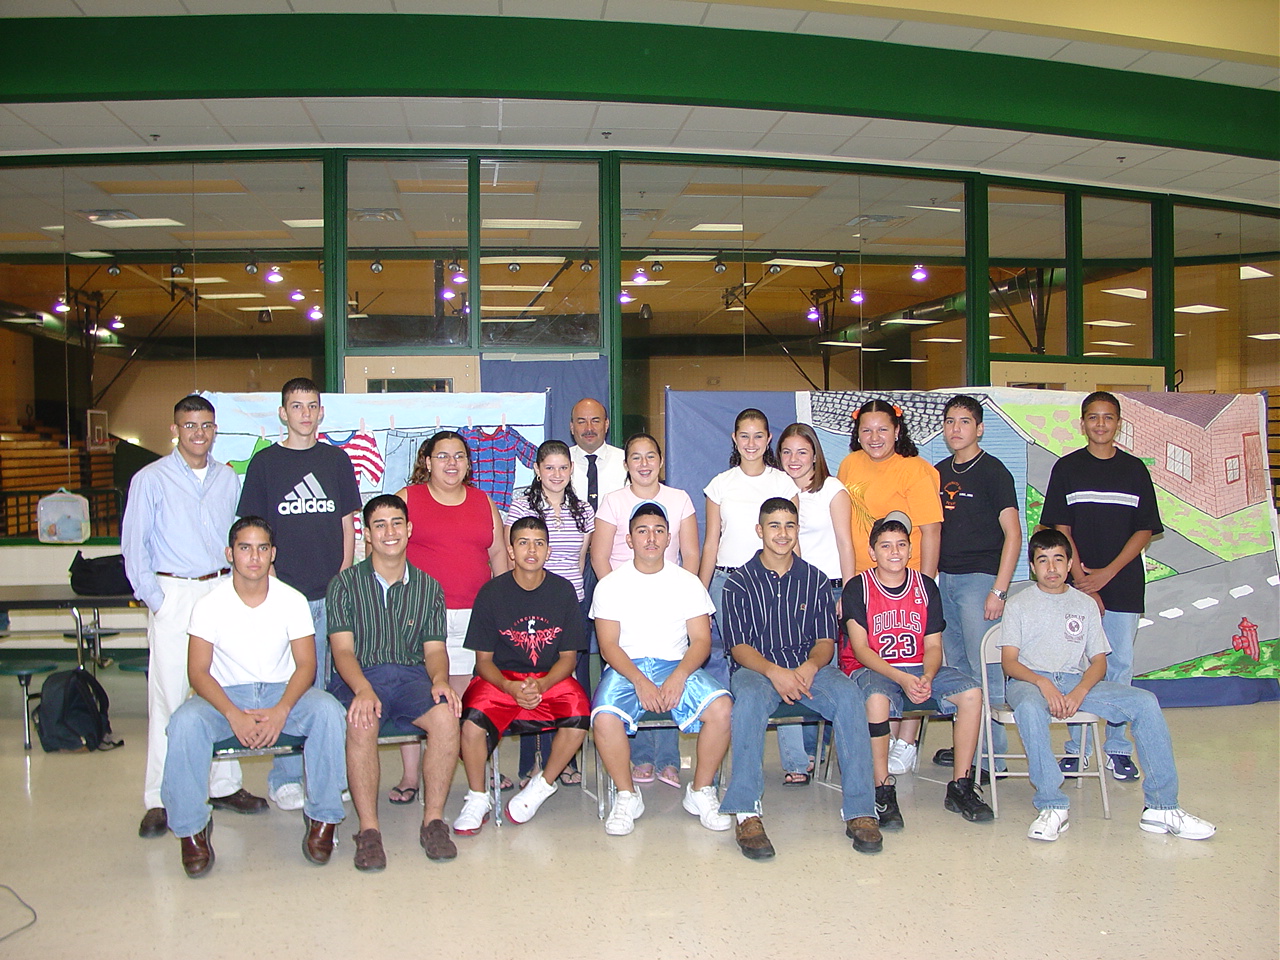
(457, 539)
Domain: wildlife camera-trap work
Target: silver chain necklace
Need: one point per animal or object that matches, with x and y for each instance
(955, 467)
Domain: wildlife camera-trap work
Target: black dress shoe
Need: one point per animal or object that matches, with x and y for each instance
(317, 845)
(155, 823)
(946, 757)
(197, 852)
(242, 801)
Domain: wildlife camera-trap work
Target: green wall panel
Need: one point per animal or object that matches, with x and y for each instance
(291, 55)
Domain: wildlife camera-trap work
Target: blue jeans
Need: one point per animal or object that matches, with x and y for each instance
(1120, 628)
(964, 596)
(659, 747)
(196, 726)
(717, 665)
(835, 697)
(1117, 702)
(289, 769)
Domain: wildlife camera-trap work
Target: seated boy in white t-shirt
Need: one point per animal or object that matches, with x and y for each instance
(251, 660)
(653, 622)
(1054, 653)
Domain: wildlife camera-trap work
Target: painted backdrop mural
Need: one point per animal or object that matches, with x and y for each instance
(1212, 577)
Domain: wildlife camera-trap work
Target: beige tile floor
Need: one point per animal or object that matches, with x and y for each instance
(558, 887)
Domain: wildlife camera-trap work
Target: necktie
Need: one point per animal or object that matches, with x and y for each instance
(593, 481)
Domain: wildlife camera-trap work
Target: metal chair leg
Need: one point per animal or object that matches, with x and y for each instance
(25, 680)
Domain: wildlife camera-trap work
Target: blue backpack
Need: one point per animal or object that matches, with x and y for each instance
(72, 713)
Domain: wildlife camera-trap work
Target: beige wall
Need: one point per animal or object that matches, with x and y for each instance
(17, 378)
(140, 404)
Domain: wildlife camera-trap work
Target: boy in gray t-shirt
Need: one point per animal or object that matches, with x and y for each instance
(1054, 653)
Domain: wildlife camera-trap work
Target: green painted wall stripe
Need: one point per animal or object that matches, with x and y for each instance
(293, 55)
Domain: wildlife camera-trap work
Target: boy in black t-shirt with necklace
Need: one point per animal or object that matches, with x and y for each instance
(1103, 500)
(526, 629)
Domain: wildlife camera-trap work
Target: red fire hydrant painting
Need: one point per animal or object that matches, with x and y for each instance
(1246, 640)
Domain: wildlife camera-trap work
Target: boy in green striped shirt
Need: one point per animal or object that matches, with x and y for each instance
(386, 621)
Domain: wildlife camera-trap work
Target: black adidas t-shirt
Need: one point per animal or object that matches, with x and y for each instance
(526, 630)
(303, 494)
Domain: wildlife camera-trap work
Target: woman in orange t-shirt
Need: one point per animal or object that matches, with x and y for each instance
(884, 473)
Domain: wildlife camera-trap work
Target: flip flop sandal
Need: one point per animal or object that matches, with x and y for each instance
(795, 779)
(402, 795)
(570, 778)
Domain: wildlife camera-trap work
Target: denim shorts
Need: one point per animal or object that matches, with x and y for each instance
(405, 692)
(948, 682)
(617, 695)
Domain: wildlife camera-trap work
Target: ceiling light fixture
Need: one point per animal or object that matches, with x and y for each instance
(274, 275)
(447, 294)
(586, 266)
(459, 275)
(297, 295)
(838, 269)
(1133, 293)
(1253, 273)
(814, 315)
(114, 269)
(375, 267)
(1252, 336)
(720, 266)
(117, 323)
(60, 305)
(858, 297)
(625, 297)
(639, 276)
(315, 313)
(657, 267)
(177, 270)
(454, 266)
(919, 273)
(1199, 308)
(775, 268)
(264, 315)
(513, 267)
(251, 267)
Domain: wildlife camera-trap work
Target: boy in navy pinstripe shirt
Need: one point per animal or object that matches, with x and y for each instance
(780, 622)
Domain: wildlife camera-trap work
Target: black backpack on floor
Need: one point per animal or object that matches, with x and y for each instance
(72, 713)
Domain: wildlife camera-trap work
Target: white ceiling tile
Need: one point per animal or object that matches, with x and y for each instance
(1261, 190)
(628, 137)
(1240, 74)
(752, 18)
(357, 112)
(1145, 175)
(257, 135)
(986, 134)
(1097, 55)
(87, 114)
(1030, 153)
(1019, 45)
(727, 118)
(936, 35)
(847, 25)
(655, 11)
(364, 133)
(542, 136)
(1108, 154)
(424, 112)
(1209, 181)
(547, 113)
(163, 112)
(716, 139)
(558, 9)
(40, 8)
(910, 129)
(801, 144)
(130, 8)
(209, 7)
(652, 116)
(818, 124)
(188, 135)
(1272, 84)
(450, 136)
(477, 8)
(23, 137)
(1176, 160)
(243, 113)
(958, 151)
(879, 148)
(1172, 64)
(93, 137)
(1052, 140)
(1248, 166)
(342, 6)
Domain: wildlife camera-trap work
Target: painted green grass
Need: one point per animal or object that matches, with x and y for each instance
(1241, 534)
(1035, 503)
(1052, 426)
(1155, 570)
(1227, 663)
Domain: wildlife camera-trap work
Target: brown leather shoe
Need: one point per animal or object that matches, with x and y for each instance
(434, 837)
(865, 834)
(369, 852)
(752, 840)
(155, 823)
(197, 852)
(242, 801)
(317, 845)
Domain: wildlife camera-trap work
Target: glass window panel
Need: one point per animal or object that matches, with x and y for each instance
(540, 237)
(1116, 239)
(1028, 271)
(1226, 300)
(407, 269)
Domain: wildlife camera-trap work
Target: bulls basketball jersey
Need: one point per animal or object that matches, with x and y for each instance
(896, 625)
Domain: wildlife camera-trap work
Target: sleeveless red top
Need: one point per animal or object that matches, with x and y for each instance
(451, 543)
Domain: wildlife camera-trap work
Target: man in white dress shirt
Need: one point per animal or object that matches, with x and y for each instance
(593, 459)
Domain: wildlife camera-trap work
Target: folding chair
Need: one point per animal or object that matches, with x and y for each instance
(1003, 713)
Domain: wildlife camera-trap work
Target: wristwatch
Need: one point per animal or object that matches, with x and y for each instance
(1000, 594)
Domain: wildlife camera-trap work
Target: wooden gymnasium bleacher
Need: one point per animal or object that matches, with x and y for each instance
(35, 461)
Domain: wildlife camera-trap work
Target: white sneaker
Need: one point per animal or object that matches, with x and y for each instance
(1178, 822)
(902, 757)
(1049, 824)
(522, 807)
(705, 805)
(289, 796)
(475, 811)
(627, 808)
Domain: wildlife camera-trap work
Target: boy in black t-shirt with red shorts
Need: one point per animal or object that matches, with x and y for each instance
(526, 629)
